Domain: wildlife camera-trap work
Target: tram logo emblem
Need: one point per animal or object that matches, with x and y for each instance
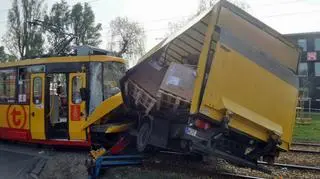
(16, 116)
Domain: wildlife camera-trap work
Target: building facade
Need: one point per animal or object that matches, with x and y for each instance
(309, 66)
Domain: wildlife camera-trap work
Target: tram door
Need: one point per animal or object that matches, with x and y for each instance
(77, 106)
(57, 106)
(37, 123)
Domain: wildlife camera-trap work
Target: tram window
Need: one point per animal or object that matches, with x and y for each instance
(7, 85)
(112, 73)
(95, 78)
(23, 85)
(76, 85)
(24, 75)
(37, 90)
(36, 69)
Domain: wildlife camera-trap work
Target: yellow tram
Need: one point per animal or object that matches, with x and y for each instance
(56, 100)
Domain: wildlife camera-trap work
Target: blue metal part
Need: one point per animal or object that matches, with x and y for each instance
(122, 157)
(119, 163)
(105, 162)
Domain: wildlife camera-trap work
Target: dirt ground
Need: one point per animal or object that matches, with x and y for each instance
(70, 165)
(65, 165)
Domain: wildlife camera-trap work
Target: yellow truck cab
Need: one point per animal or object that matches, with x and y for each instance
(224, 85)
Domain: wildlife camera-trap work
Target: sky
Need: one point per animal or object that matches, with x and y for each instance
(285, 16)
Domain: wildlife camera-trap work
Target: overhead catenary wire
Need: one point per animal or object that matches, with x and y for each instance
(292, 13)
(162, 29)
(278, 3)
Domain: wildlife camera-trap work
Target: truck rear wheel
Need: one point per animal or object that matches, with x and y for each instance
(143, 136)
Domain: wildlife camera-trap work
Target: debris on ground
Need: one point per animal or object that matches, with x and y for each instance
(70, 165)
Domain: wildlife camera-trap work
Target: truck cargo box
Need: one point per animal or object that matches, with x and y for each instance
(245, 89)
(179, 80)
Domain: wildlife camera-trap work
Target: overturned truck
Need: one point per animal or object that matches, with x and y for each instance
(225, 85)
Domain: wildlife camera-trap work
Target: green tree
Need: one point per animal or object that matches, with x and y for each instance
(66, 26)
(83, 25)
(127, 38)
(4, 57)
(57, 24)
(22, 38)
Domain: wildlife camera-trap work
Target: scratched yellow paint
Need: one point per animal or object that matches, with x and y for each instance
(252, 98)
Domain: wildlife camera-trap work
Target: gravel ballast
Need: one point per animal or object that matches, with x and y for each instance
(69, 165)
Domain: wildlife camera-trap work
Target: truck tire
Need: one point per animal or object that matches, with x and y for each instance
(143, 137)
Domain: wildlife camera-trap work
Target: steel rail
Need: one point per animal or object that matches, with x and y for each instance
(294, 166)
(304, 151)
(237, 175)
(306, 144)
(201, 171)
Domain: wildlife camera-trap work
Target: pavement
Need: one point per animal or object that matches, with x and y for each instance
(21, 161)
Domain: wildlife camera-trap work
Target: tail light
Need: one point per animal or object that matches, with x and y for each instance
(202, 124)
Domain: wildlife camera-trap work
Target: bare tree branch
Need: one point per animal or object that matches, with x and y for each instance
(203, 5)
(127, 38)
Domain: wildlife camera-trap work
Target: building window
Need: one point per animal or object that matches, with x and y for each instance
(303, 69)
(304, 93)
(7, 86)
(311, 56)
(317, 68)
(76, 85)
(317, 44)
(303, 44)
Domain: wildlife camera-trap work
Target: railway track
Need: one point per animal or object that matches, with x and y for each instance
(304, 151)
(292, 166)
(233, 175)
(194, 169)
(219, 174)
(300, 147)
(198, 171)
(183, 163)
(306, 144)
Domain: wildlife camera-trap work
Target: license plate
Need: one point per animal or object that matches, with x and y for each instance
(191, 131)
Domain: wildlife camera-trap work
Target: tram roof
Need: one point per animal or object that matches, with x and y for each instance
(63, 59)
